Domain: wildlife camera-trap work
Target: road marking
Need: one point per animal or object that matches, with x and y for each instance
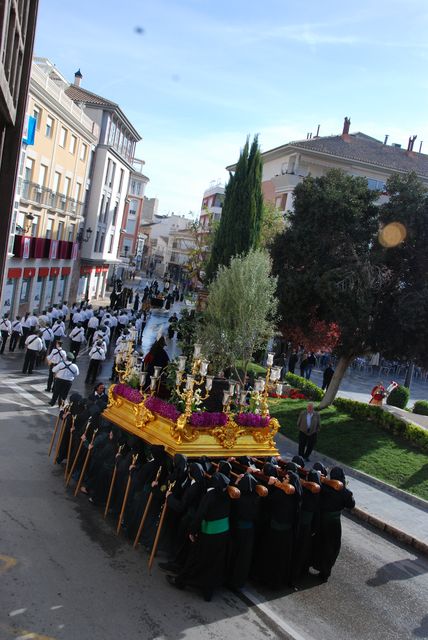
(288, 629)
(8, 563)
(17, 612)
(57, 606)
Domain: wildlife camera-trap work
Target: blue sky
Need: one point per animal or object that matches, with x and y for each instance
(206, 73)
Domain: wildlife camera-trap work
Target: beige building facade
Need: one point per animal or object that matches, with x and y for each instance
(53, 181)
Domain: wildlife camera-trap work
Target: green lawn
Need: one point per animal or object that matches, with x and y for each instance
(361, 445)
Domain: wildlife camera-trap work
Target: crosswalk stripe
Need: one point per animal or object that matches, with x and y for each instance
(24, 394)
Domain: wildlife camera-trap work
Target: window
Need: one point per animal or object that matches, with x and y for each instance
(59, 230)
(49, 226)
(113, 172)
(120, 181)
(107, 209)
(25, 290)
(67, 186)
(133, 206)
(110, 246)
(130, 226)
(56, 181)
(49, 127)
(102, 239)
(97, 237)
(83, 150)
(71, 230)
(43, 171)
(34, 226)
(28, 171)
(72, 147)
(116, 207)
(102, 206)
(107, 178)
(77, 190)
(37, 116)
(376, 185)
(63, 137)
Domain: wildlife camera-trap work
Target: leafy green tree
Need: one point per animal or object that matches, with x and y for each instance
(240, 314)
(241, 219)
(325, 265)
(272, 224)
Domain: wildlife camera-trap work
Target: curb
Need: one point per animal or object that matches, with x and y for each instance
(389, 529)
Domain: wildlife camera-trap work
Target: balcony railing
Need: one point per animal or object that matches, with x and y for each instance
(43, 197)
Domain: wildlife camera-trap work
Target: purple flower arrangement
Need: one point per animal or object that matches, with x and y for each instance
(252, 420)
(127, 392)
(207, 419)
(162, 408)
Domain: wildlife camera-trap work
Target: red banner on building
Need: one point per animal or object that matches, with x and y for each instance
(53, 250)
(75, 251)
(26, 244)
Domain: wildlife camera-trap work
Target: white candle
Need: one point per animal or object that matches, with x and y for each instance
(243, 397)
(225, 396)
(143, 376)
(209, 383)
(197, 351)
(231, 388)
(279, 389)
(189, 383)
(153, 383)
(178, 378)
(237, 389)
(157, 371)
(181, 363)
(269, 360)
(204, 367)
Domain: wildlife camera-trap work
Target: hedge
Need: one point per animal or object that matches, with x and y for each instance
(309, 388)
(421, 407)
(399, 397)
(387, 421)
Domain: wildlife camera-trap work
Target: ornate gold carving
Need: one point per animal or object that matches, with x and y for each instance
(142, 415)
(182, 430)
(227, 436)
(266, 434)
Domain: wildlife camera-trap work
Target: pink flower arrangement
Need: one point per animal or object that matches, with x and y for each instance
(207, 419)
(252, 420)
(162, 408)
(127, 392)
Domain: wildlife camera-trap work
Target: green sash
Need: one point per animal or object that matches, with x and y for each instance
(212, 527)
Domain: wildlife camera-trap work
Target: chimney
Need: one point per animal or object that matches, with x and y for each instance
(318, 131)
(77, 78)
(420, 146)
(410, 145)
(345, 133)
(386, 139)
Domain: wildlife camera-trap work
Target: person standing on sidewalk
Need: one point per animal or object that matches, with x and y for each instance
(56, 356)
(77, 338)
(6, 330)
(97, 354)
(58, 328)
(47, 336)
(34, 344)
(65, 372)
(16, 334)
(309, 424)
(93, 324)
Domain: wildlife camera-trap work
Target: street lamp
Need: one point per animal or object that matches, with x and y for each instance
(83, 238)
(27, 226)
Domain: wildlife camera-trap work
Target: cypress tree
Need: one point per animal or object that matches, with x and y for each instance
(240, 225)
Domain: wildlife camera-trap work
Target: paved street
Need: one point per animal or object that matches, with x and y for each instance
(64, 574)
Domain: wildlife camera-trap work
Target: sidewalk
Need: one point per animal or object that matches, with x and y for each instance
(397, 513)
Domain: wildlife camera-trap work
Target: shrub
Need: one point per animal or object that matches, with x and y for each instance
(387, 421)
(309, 388)
(399, 397)
(421, 407)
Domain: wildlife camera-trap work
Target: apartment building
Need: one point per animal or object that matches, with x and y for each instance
(357, 153)
(17, 29)
(132, 238)
(159, 232)
(45, 233)
(110, 174)
(212, 205)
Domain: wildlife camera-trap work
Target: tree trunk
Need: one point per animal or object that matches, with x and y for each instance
(409, 374)
(333, 387)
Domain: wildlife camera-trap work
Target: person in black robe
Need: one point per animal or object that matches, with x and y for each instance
(308, 526)
(205, 567)
(178, 480)
(186, 506)
(156, 357)
(102, 468)
(327, 377)
(136, 302)
(276, 548)
(77, 406)
(329, 539)
(98, 396)
(244, 515)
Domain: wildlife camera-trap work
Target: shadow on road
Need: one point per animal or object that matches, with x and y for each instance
(400, 570)
(422, 630)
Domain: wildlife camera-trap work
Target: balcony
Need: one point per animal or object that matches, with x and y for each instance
(33, 193)
(30, 247)
(286, 181)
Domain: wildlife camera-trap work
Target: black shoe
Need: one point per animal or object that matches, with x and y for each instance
(207, 595)
(172, 580)
(51, 404)
(48, 390)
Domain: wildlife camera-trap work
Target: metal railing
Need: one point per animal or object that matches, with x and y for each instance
(43, 197)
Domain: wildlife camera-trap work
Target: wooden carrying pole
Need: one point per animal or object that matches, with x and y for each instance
(85, 464)
(159, 530)
(125, 497)
(76, 457)
(112, 483)
(146, 511)
(54, 432)
(61, 435)
(70, 442)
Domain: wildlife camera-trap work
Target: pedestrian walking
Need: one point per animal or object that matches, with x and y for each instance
(93, 324)
(47, 337)
(292, 361)
(327, 377)
(96, 355)
(309, 424)
(34, 344)
(25, 330)
(56, 356)
(58, 328)
(6, 330)
(77, 338)
(65, 373)
(16, 333)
